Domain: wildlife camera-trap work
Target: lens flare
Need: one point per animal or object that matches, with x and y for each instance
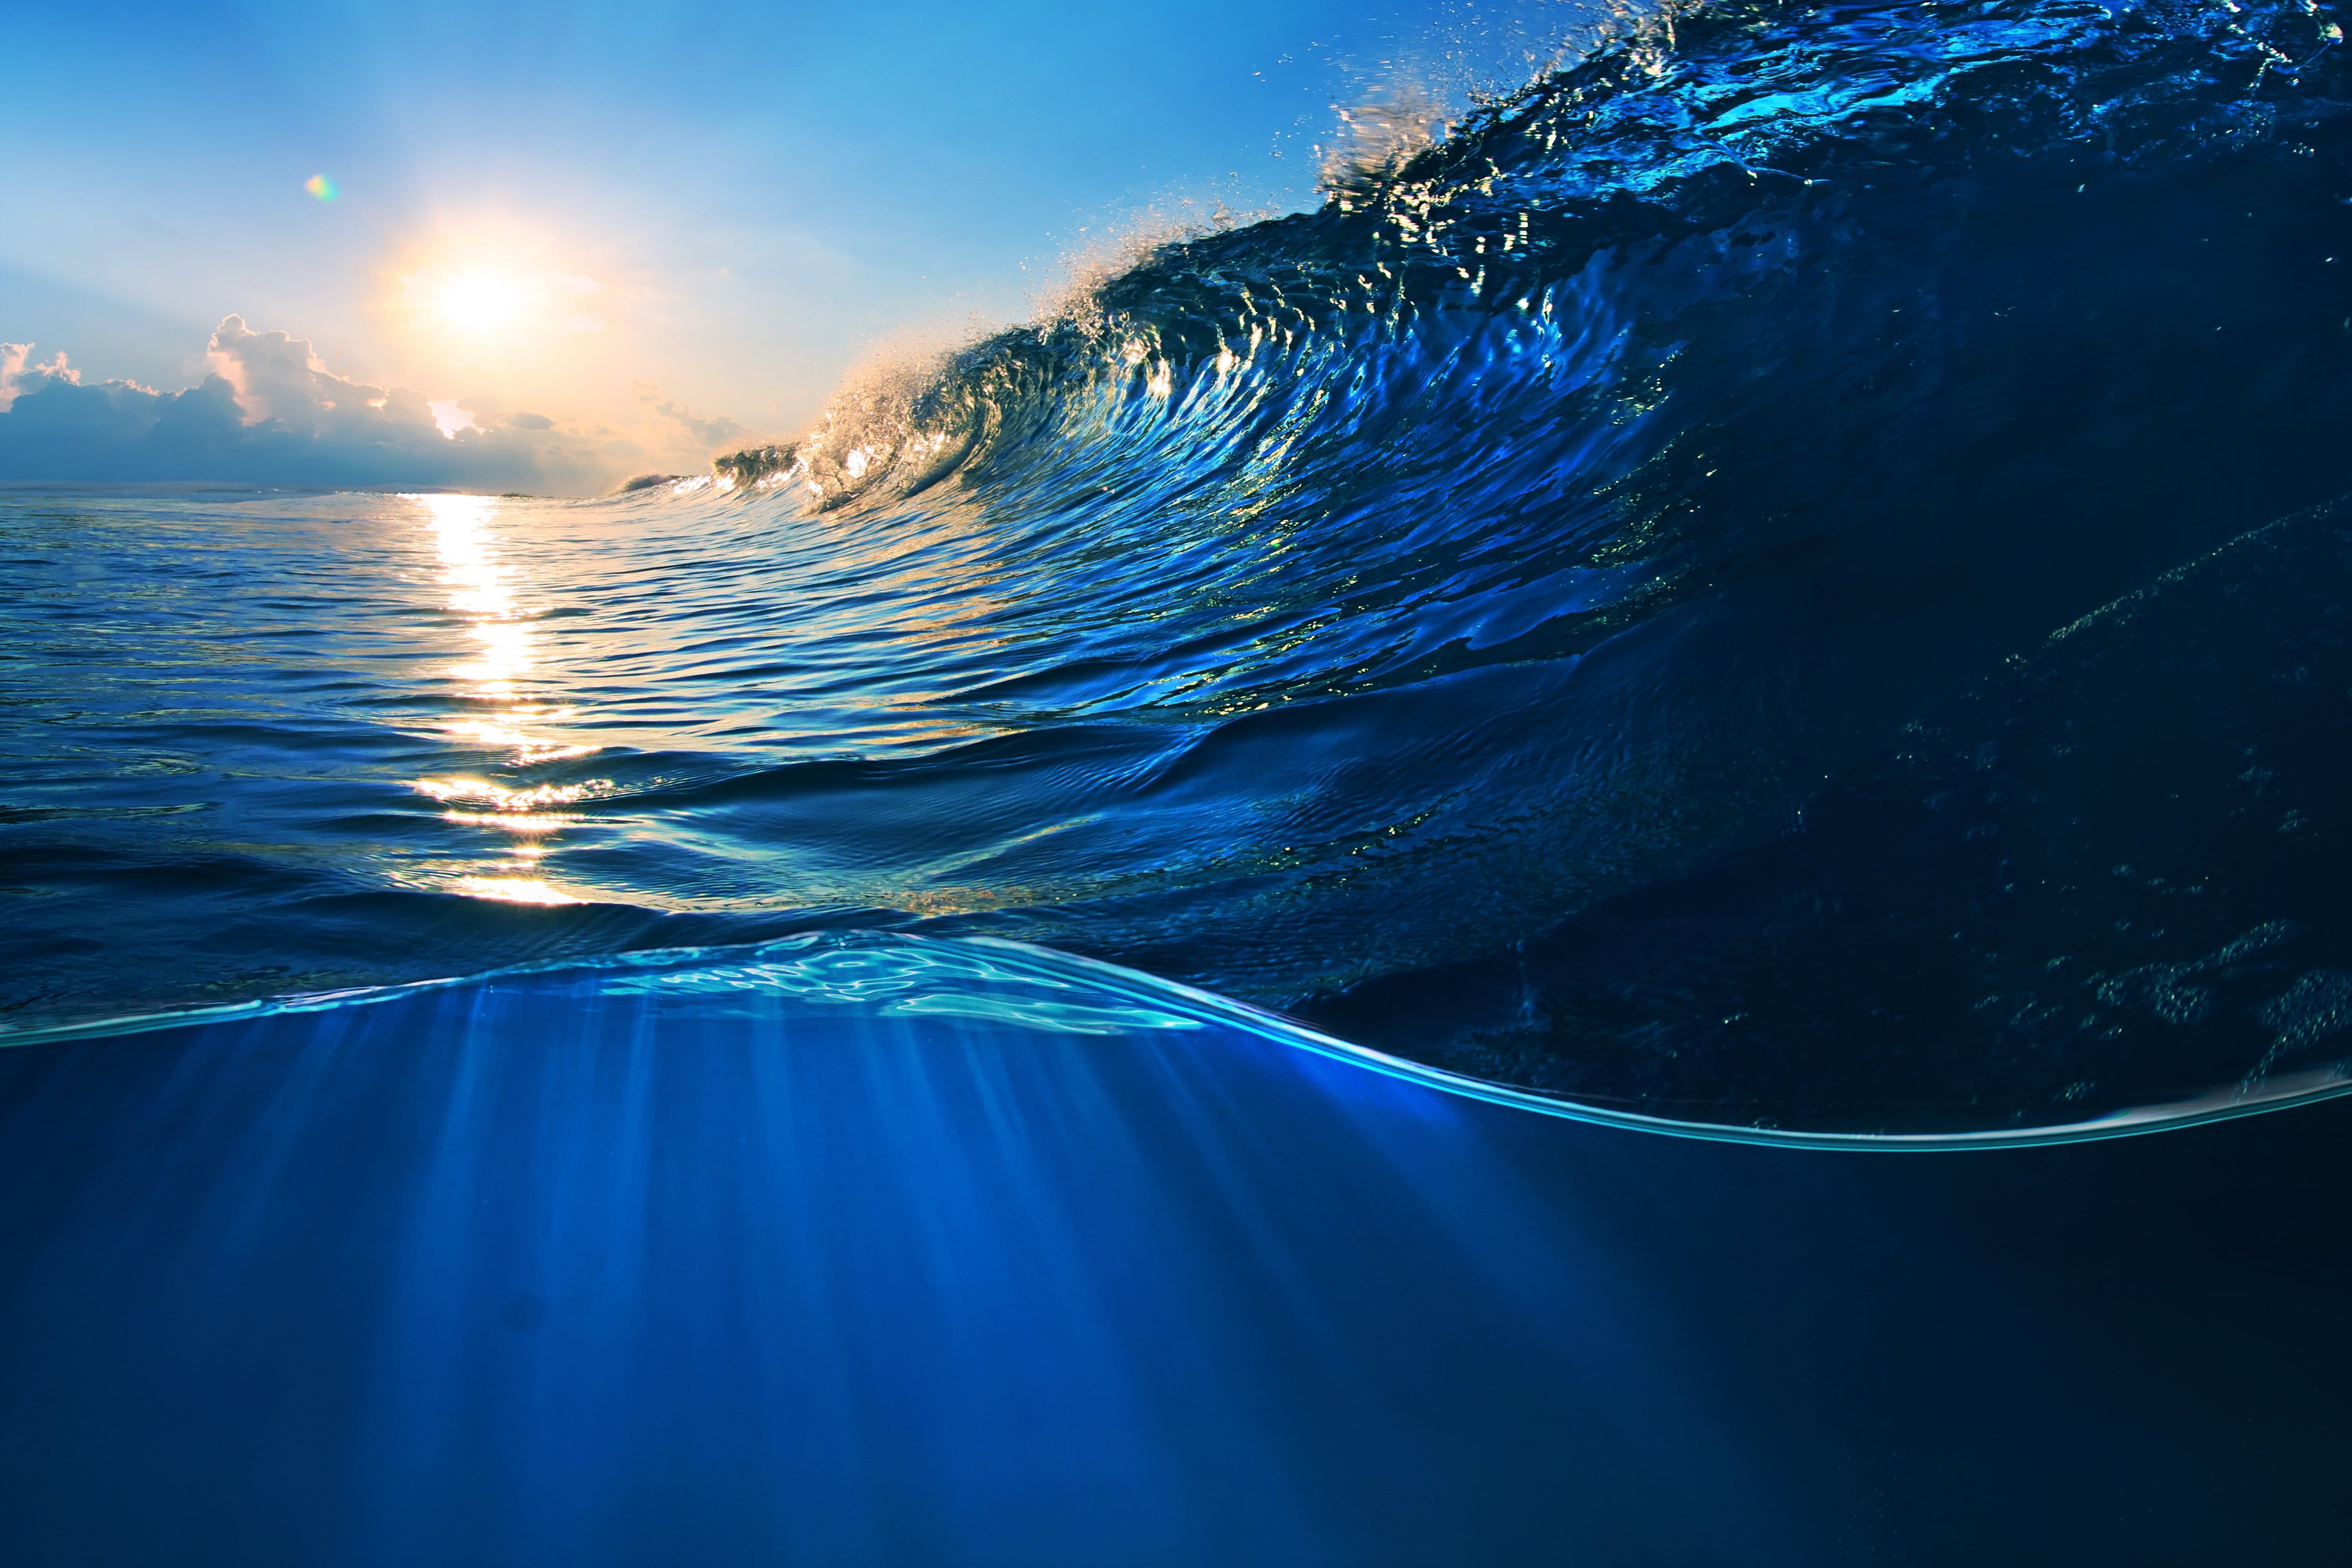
(321, 187)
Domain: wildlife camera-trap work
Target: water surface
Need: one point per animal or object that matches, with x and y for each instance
(1788, 575)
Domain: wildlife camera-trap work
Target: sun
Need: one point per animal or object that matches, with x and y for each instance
(491, 300)
(480, 303)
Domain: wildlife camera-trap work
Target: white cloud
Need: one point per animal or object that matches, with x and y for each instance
(12, 365)
(278, 377)
(19, 376)
(270, 413)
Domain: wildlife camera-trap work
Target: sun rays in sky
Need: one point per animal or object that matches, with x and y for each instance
(473, 301)
(492, 294)
(626, 247)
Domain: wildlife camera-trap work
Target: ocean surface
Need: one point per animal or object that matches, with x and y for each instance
(1786, 576)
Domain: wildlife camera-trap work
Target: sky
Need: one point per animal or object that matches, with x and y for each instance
(541, 245)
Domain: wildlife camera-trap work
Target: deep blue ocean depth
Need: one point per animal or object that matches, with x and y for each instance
(1295, 914)
(938, 1253)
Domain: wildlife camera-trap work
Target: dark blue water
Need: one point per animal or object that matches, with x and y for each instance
(1786, 583)
(945, 1254)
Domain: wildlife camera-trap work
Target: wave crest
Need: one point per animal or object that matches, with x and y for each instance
(1376, 593)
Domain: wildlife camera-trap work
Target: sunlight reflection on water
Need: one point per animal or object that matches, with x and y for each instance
(504, 686)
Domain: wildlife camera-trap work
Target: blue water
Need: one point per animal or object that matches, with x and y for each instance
(974, 988)
(1786, 575)
(894, 1252)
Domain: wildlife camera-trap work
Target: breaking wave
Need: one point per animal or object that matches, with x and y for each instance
(1787, 574)
(1486, 602)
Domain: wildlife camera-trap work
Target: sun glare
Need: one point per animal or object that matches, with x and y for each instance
(494, 295)
(481, 302)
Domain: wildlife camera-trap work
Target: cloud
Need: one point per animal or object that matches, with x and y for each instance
(269, 413)
(18, 375)
(717, 430)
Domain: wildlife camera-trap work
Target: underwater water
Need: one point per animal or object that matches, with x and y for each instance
(875, 1249)
(1788, 575)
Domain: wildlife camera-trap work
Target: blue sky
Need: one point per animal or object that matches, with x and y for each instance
(655, 226)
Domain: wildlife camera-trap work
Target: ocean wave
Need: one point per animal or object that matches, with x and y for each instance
(1560, 508)
(1598, 606)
